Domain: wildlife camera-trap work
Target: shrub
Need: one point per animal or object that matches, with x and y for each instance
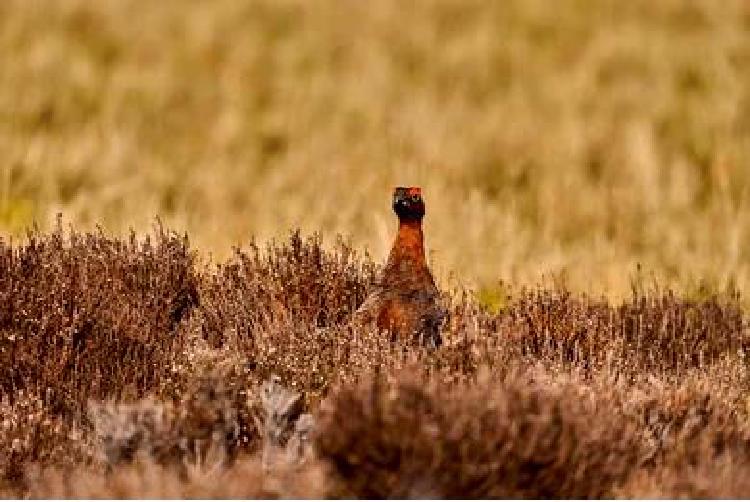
(652, 332)
(297, 280)
(89, 316)
(503, 440)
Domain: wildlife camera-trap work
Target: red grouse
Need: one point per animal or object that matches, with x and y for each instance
(404, 301)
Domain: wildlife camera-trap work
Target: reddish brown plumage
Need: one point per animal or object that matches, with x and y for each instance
(405, 299)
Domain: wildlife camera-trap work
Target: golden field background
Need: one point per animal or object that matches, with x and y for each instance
(571, 140)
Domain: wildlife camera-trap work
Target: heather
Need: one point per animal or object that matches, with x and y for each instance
(133, 368)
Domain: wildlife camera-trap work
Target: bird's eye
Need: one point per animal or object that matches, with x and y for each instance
(415, 198)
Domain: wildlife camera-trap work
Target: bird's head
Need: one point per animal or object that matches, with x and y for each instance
(408, 203)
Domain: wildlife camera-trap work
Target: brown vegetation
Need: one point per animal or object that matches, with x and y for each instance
(125, 359)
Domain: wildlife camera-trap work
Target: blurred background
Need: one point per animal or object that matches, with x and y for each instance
(566, 141)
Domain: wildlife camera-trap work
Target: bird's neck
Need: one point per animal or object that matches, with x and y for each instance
(408, 246)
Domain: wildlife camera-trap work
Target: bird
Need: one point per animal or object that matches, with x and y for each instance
(405, 300)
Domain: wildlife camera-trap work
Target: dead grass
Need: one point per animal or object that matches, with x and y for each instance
(574, 143)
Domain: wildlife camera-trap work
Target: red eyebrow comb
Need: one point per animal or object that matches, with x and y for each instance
(408, 190)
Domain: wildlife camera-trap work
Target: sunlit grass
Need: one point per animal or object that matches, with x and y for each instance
(576, 142)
